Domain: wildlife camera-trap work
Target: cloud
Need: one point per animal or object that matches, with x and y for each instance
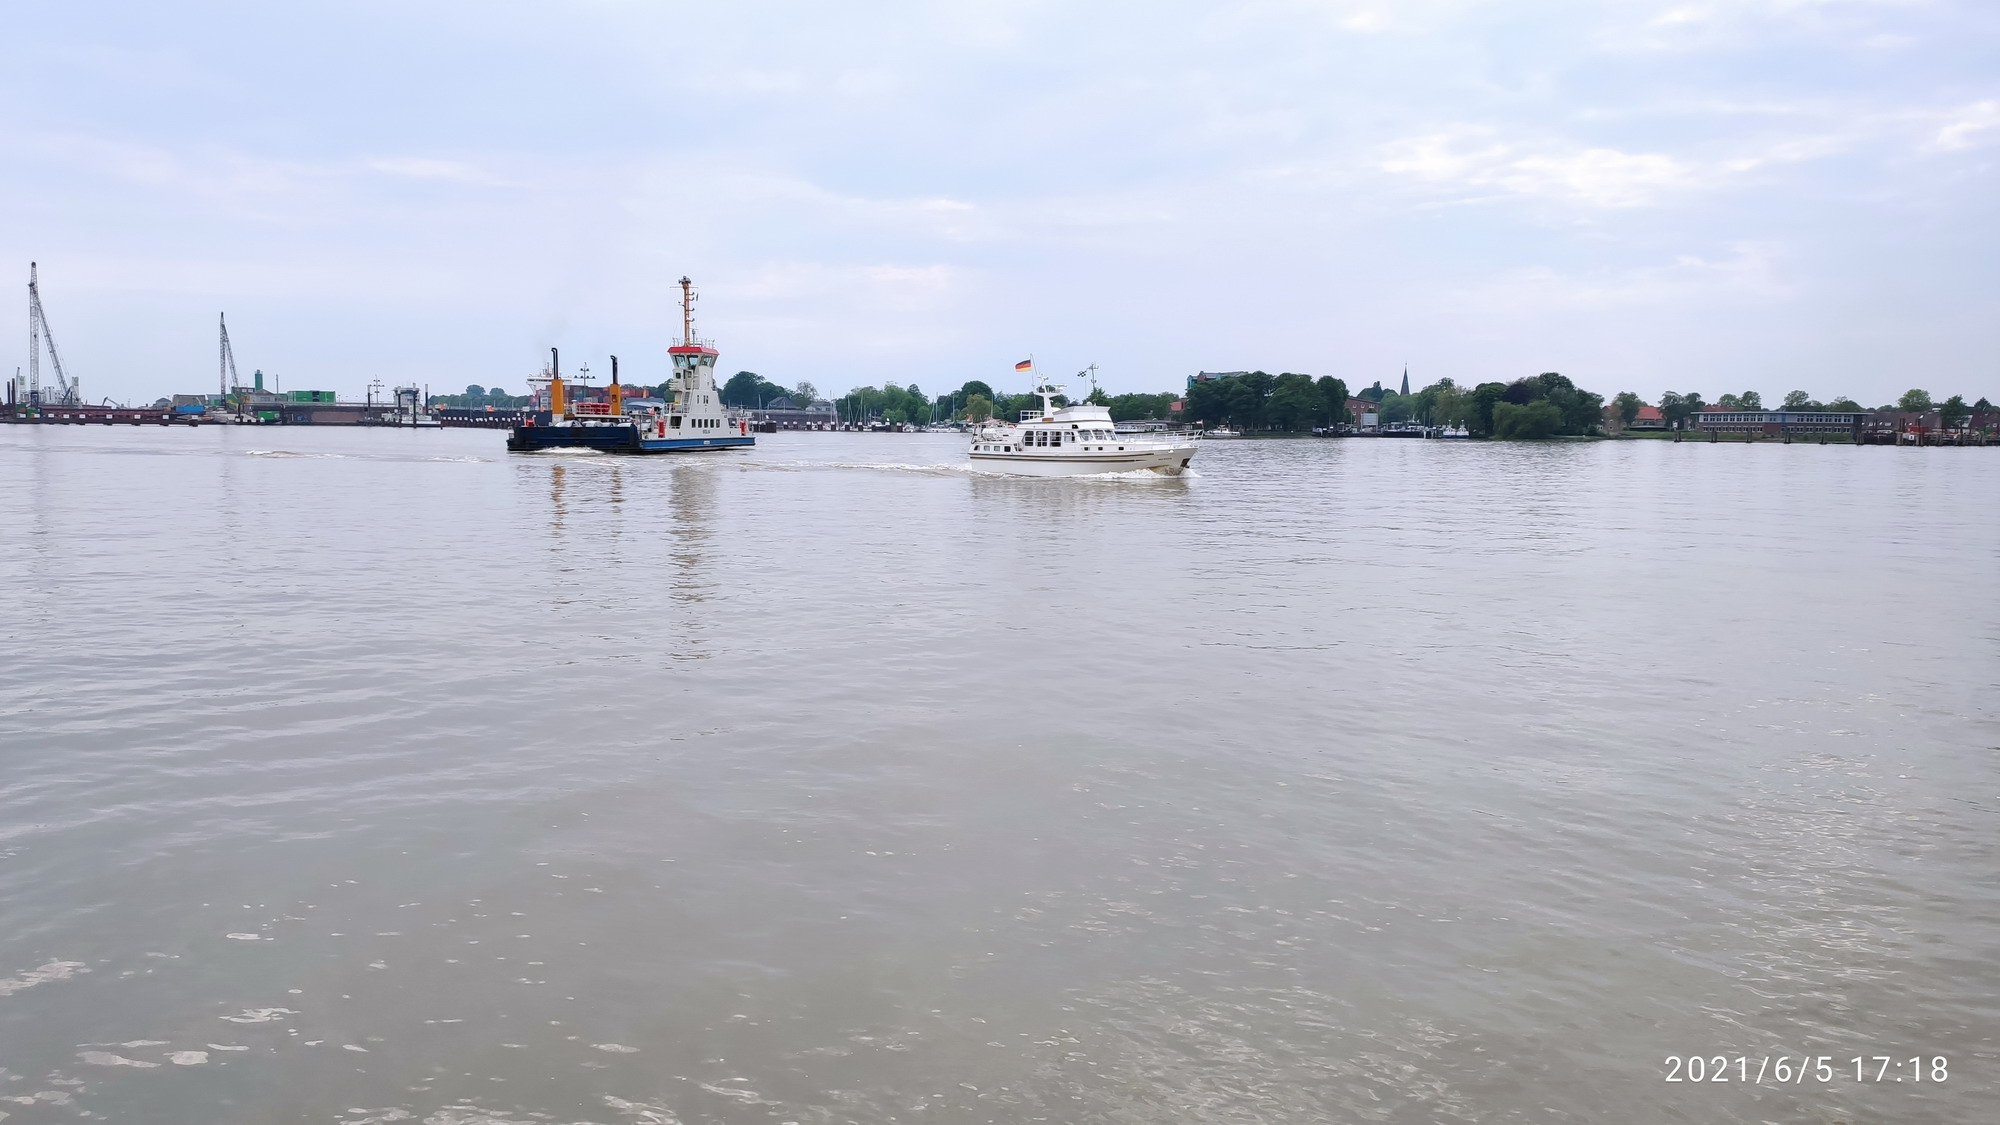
(1687, 25)
(1969, 127)
(1596, 177)
(1749, 272)
(1474, 159)
(429, 168)
(1601, 177)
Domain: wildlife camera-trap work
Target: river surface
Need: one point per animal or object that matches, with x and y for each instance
(373, 776)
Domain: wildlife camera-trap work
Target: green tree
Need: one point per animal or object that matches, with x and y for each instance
(1955, 411)
(1845, 405)
(1246, 396)
(1797, 400)
(1580, 411)
(978, 408)
(1424, 401)
(1673, 409)
(1750, 400)
(1136, 406)
(860, 405)
(1687, 407)
(804, 395)
(1332, 399)
(1628, 405)
(1097, 397)
(1295, 403)
(1915, 401)
(1242, 400)
(1397, 408)
(1444, 403)
(976, 387)
(741, 389)
(474, 390)
(1730, 401)
(1533, 421)
(1479, 415)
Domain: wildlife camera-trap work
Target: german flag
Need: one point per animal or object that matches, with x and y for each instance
(1025, 365)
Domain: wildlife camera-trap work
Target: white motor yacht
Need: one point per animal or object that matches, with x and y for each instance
(1221, 432)
(1074, 440)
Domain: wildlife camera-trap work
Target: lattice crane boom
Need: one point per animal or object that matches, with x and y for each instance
(226, 364)
(68, 391)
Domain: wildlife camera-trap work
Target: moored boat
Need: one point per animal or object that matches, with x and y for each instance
(693, 420)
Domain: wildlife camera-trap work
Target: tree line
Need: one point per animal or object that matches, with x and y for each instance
(976, 401)
(1256, 400)
(477, 397)
(1545, 405)
(1540, 406)
(750, 391)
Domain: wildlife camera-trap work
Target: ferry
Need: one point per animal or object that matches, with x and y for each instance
(693, 421)
(1073, 440)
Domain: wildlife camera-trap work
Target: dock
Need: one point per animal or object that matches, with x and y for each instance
(22, 415)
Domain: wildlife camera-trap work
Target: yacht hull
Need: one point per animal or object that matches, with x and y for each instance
(1166, 460)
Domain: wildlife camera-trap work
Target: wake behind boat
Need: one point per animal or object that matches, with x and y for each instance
(1074, 440)
(693, 422)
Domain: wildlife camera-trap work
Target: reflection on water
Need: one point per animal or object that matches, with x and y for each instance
(1340, 781)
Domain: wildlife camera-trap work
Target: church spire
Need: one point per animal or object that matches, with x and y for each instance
(1406, 379)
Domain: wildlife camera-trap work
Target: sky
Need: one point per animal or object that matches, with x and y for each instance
(1696, 195)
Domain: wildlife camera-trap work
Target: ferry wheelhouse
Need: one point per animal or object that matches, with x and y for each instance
(692, 421)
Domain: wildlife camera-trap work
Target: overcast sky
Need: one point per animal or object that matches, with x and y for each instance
(1712, 195)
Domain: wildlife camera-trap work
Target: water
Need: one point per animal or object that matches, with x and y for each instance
(382, 776)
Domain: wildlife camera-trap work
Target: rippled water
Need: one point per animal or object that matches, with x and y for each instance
(374, 776)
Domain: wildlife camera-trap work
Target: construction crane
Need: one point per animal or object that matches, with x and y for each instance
(68, 391)
(226, 365)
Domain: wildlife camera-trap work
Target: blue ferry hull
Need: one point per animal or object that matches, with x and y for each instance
(615, 439)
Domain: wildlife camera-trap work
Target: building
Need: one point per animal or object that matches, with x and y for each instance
(1648, 419)
(1886, 425)
(782, 413)
(1773, 423)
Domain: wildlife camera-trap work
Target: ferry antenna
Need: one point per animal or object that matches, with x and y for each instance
(687, 311)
